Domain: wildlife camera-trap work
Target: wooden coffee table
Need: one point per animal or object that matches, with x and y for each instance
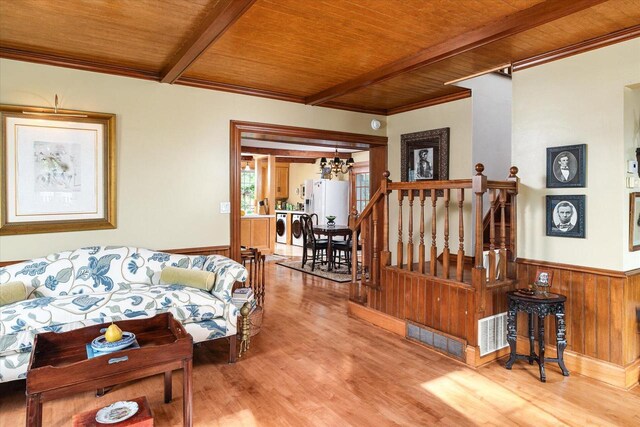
(59, 365)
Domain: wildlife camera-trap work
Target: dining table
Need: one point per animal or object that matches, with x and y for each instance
(330, 231)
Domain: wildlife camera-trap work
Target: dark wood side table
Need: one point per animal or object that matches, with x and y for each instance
(59, 366)
(540, 307)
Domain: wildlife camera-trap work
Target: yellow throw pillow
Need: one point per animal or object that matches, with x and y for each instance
(184, 276)
(12, 292)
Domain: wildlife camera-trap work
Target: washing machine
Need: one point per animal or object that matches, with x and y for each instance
(296, 230)
(281, 228)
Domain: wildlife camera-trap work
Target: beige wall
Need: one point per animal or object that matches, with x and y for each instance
(456, 116)
(172, 152)
(298, 173)
(578, 100)
(631, 260)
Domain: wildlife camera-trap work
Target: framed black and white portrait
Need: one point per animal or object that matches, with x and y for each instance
(423, 164)
(425, 155)
(634, 222)
(566, 216)
(566, 166)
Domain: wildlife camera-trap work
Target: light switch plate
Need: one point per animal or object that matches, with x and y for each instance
(225, 207)
(633, 182)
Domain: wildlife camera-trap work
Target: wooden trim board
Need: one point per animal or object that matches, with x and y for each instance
(609, 373)
(203, 250)
(375, 317)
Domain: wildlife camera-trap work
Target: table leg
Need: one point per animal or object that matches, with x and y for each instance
(187, 395)
(34, 410)
(561, 339)
(329, 254)
(167, 386)
(543, 375)
(532, 340)
(512, 324)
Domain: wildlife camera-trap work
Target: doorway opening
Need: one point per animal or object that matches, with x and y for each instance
(248, 178)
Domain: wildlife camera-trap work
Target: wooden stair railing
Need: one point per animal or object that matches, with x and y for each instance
(374, 233)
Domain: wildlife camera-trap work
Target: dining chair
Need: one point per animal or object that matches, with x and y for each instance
(318, 247)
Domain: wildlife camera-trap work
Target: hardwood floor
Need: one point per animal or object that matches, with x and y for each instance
(313, 365)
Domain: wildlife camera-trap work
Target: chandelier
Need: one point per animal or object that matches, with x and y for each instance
(336, 164)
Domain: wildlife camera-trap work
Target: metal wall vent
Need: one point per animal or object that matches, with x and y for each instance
(451, 346)
(492, 333)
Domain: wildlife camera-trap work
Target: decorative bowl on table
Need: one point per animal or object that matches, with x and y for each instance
(331, 220)
(102, 345)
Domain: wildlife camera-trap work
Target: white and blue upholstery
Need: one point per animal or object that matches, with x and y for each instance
(70, 290)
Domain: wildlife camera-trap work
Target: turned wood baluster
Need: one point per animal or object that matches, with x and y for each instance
(492, 236)
(385, 258)
(460, 261)
(399, 256)
(366, 248)
(410, 241)
(434, 249)
(445, 253)
(503, 235)
(375, 261)
(354, 246)
(421, 246)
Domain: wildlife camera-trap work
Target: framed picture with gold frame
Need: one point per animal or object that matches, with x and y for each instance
(634, 222)
(58, 170)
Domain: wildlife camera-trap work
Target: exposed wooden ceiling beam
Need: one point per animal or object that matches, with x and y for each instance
(213, 26)
(518, 22)
(290, 153)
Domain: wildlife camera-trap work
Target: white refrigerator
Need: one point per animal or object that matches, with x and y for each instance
(330, 198)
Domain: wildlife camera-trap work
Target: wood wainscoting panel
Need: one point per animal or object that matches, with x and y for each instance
(204, 250)
(631, 318)
(600, 310)
(440, 304)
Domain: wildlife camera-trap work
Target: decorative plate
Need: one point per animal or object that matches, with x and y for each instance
(117, 412)
(101, 343)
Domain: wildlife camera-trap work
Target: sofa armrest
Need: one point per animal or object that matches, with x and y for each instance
(228, 272)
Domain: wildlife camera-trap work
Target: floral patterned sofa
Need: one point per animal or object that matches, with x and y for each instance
(70, 290)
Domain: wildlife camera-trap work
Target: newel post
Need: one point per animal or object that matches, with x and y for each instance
(513, 238)
(385, 255)
(479, 187)
(478, 277)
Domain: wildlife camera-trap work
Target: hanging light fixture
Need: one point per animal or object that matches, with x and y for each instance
(337, 166)
(247, 167)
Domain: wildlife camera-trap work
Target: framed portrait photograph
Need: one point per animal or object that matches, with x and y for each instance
(58, 170)
(566, 216)
(566, 166)
(424, 156)
(634, 222)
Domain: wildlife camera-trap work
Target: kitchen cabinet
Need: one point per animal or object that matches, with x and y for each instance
(282, 182)
(255, 232)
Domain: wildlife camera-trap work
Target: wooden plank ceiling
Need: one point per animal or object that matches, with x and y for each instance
(377, 56)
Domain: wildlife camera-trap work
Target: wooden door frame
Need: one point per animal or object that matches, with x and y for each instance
(315, 137)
